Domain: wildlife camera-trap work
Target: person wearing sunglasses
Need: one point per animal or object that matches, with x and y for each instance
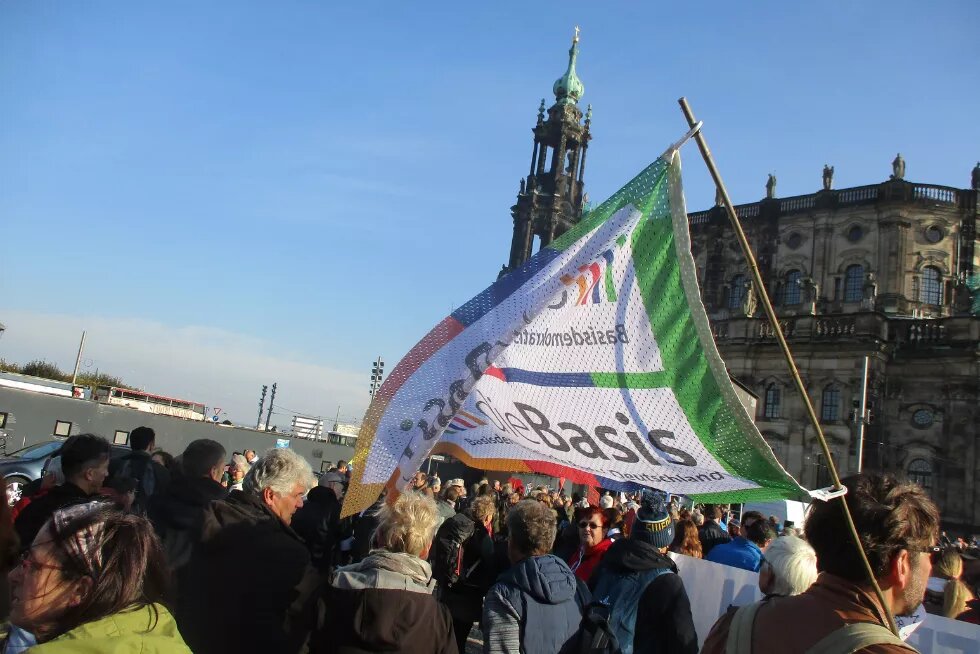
(593, 530)
(94, 580)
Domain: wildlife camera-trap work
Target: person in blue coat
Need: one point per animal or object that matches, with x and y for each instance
(745, 551)
(536, 606)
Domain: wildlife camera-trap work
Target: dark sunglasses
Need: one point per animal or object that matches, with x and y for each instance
(585, 524)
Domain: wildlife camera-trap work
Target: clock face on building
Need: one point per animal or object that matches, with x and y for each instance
(922, 418)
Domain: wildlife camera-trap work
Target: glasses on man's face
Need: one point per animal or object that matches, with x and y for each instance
(585, 524)
(934, 552)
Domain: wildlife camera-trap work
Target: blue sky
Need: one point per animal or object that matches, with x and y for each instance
(228, 193)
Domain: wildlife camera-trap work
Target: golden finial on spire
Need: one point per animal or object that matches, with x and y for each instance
(575, 40)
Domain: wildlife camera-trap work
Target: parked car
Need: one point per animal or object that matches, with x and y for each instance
(24, 466)
(29, 464)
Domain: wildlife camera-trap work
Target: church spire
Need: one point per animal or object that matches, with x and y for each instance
(552, 195)
(569, 88)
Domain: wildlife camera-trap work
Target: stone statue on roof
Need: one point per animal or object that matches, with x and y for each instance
(828, 177)
(898, 167)
(975, 178)
(771, 187)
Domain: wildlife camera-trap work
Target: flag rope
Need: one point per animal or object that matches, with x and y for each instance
(763, 296)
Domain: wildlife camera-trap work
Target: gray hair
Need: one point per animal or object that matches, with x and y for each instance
(793, 563)
(280, 469)
(408, 525)
(532, 527)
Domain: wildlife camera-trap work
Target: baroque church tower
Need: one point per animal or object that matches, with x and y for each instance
(551, 198)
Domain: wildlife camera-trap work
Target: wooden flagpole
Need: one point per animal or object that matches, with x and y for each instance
(763, 297)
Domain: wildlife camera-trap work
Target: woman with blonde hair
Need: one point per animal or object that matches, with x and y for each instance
(956, 595)
(385, 603)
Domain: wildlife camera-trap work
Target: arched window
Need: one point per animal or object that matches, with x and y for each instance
(736, 292)
(830, 404)
(920, 472)
(854, 283)
(771, 407)
(931, 286)
(791, 289)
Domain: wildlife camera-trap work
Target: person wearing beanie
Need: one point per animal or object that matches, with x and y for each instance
(649, 610)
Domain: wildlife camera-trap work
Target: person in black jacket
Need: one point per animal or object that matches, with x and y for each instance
(249, 585)
(463, 583)
(177, 512)
(649, 606)
(362, 529)
(85, 464)
(151, 477)
(318, 520)
(711, 533)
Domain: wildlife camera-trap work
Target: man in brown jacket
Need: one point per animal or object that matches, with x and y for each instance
(899, 526)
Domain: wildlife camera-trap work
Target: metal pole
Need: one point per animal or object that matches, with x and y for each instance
(272, 400)
(763, 297)
(258, 421)
(78, 359)
(863, 415)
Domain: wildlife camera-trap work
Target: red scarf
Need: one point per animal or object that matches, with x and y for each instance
(584, 562)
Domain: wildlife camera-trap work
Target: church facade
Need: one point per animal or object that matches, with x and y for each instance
(876, 273)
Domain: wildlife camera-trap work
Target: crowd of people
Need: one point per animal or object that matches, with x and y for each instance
(208, 553)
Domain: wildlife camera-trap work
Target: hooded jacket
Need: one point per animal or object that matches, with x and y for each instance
(384, 603)
(663, 620)
(126, 631)
(534, 608)
(177, 512)
(249, 586)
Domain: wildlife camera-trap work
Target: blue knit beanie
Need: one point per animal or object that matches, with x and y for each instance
(653, 522)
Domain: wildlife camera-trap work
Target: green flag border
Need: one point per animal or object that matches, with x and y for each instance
(719, 404)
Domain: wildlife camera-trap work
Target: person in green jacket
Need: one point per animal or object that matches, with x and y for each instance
(94, 581)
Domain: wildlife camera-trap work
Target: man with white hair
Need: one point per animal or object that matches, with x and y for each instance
(249, 585)
(789, 567)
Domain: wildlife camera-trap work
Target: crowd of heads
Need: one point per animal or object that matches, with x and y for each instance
(95, 558)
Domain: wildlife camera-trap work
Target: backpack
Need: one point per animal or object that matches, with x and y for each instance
(140, 470)
(846, 640)
(447, 553)
(594, 635)
(612, 615)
